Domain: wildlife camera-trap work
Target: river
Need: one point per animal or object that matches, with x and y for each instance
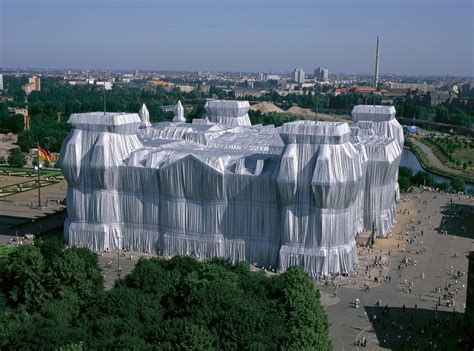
(410, 160)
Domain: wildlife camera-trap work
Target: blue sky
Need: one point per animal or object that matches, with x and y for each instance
(417, 36)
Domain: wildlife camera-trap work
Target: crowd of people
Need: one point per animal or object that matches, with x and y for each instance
(411, 328)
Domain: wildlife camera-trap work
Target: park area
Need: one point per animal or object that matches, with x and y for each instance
(455, 153)
(19, 203)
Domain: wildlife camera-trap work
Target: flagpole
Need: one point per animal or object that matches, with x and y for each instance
(39, 169)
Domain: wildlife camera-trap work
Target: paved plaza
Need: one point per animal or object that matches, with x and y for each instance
(22, 208)
(420, 272)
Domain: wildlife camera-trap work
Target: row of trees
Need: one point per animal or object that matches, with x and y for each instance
(416, 106)
(446, 147)
(277, 119)
(453, 115)
(52, 297)
(406, 179)
(57, 97)
(410, 105)
(9, 123)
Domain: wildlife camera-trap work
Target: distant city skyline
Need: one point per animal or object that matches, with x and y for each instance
(419, 37)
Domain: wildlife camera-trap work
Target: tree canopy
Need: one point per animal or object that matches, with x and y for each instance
(16, 158)
(457, 184)
(52, 297)
(406, 179)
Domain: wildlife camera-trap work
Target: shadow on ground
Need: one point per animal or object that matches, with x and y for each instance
(458, 219)
(35, 226)
(416, 329)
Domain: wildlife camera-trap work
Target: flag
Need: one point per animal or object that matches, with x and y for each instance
(44, 154)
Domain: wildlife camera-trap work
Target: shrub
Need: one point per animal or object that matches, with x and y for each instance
(16, 158)
(457, 185)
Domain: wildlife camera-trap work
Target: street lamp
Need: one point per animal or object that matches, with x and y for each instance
(118, 255)
(38, 170)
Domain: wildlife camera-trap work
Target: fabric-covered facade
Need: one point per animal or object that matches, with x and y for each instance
(219, 186)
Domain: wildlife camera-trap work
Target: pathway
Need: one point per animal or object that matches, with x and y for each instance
(435, 161)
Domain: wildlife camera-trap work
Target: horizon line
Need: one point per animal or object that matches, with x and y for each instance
(225, 71)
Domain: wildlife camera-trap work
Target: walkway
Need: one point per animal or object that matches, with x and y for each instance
(437, 256)
(435, 161)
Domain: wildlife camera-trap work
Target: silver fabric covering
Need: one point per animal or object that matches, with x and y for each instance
(179, 113)
(379, 133)
(228, 112)
(382, 118)
(276, 197)
(145, 117)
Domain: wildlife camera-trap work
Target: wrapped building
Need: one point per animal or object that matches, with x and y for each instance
(221, 187)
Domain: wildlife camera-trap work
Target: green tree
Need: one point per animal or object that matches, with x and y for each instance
(405, 172)
(443, 186)
(23, 279)
(306, 320)
(423, 178)
(422, 113)
(404, 183)
(198, 111)
(27, 140)
(457, 185)
(9, 123)
(76, 270)
(220, 93)
(176, 304)
(16, 158)
(186, 334)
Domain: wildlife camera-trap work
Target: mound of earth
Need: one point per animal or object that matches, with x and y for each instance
(7, 142)
(266, 107)
(296, 110)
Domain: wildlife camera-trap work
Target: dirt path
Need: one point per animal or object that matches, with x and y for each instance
(435, 160)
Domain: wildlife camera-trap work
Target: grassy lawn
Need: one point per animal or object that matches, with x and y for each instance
(464, 155)
(454, 152)
(25, 186)
(12, 171)
(425, 162)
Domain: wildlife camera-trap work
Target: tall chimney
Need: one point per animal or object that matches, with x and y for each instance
(377, 53)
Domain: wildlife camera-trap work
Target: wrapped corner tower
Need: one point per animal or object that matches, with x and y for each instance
(379, 133)
(319, 179)
(228, 112)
